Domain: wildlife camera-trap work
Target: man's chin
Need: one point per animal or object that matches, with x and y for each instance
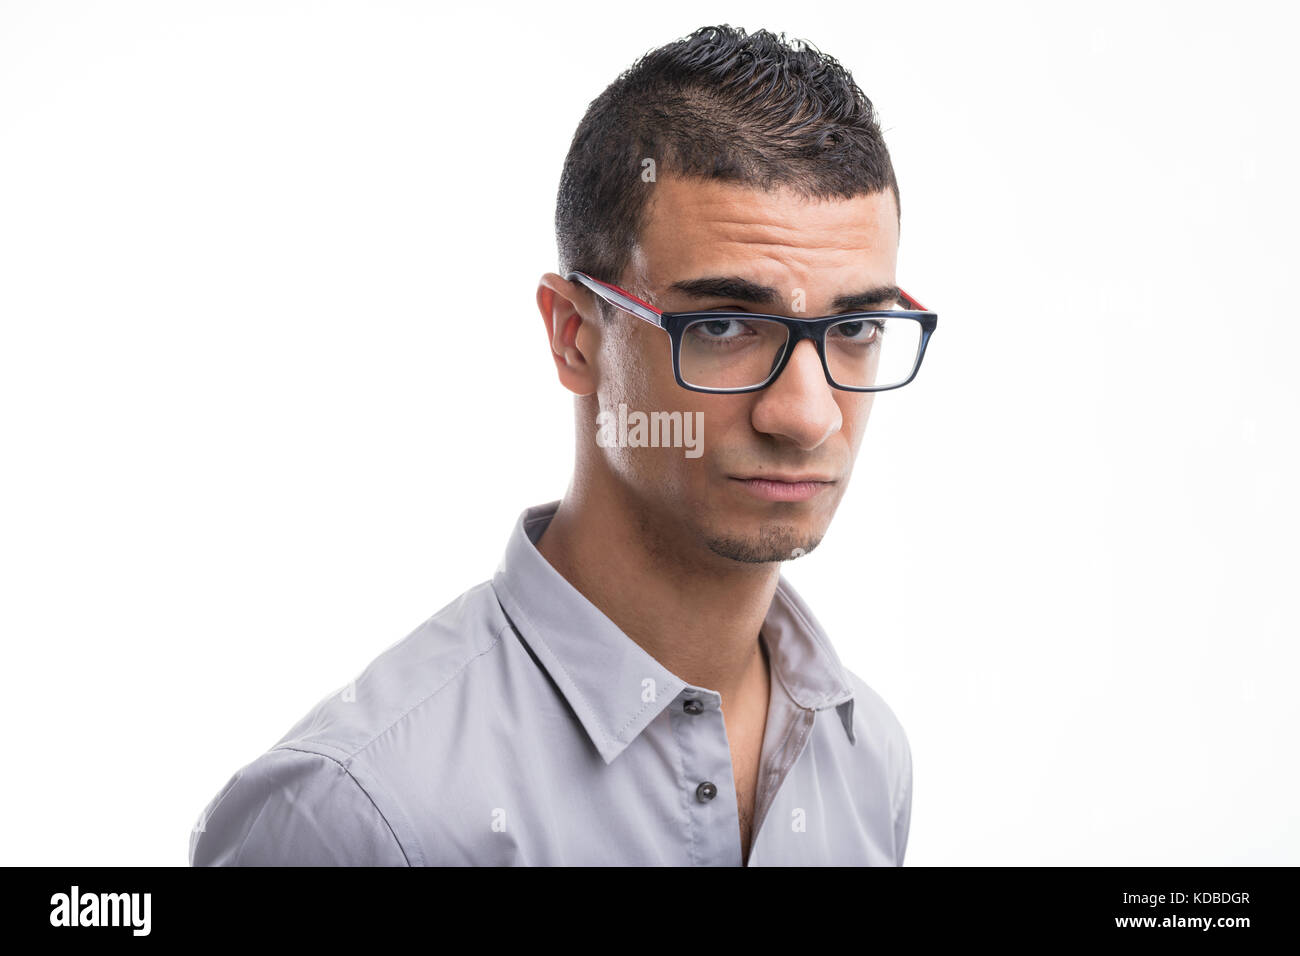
(771, 543)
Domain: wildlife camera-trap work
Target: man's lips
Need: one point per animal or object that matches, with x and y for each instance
(784, 487)
(791, 478)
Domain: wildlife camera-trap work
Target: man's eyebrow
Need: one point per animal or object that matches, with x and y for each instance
(867, 297)
(743, 290)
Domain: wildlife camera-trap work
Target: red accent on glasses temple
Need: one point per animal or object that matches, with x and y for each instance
(610, 285)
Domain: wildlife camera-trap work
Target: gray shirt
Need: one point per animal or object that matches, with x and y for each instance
(520, 726)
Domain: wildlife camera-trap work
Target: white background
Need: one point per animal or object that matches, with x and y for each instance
(241, 456)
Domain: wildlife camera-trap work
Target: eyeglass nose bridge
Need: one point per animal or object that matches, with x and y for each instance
(796, 332)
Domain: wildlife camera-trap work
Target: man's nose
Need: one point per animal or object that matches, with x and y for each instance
(800, 405)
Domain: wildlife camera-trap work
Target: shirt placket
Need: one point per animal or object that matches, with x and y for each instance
(797, 725)
(705, 778)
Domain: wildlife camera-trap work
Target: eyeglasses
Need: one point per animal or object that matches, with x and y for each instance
(724, 351)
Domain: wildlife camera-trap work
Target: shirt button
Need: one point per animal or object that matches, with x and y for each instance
(693, 706)
(705, 792)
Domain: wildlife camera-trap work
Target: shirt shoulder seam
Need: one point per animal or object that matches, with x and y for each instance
(496, 640)
(344, 767)
(328, 748)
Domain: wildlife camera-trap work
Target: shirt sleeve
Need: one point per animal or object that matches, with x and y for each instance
(903, 801)
(293, 808)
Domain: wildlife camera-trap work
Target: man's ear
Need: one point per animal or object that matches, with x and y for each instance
(565, 328)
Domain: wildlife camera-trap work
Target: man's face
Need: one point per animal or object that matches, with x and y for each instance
(799, 427)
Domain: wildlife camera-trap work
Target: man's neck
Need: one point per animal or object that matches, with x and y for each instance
(700, 620)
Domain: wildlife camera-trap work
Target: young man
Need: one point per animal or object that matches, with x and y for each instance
(637, 684)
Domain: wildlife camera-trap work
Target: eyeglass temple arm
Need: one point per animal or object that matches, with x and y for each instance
(911, 303)
(617, 297)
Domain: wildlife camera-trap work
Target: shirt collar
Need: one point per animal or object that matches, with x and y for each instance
(614, 687)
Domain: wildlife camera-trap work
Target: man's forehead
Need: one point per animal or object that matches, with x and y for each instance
(712, 204)
(714, 228)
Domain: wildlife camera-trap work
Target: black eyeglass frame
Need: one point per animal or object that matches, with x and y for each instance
(814, 329)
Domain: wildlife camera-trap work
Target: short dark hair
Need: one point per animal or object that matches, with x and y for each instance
(718, 104)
